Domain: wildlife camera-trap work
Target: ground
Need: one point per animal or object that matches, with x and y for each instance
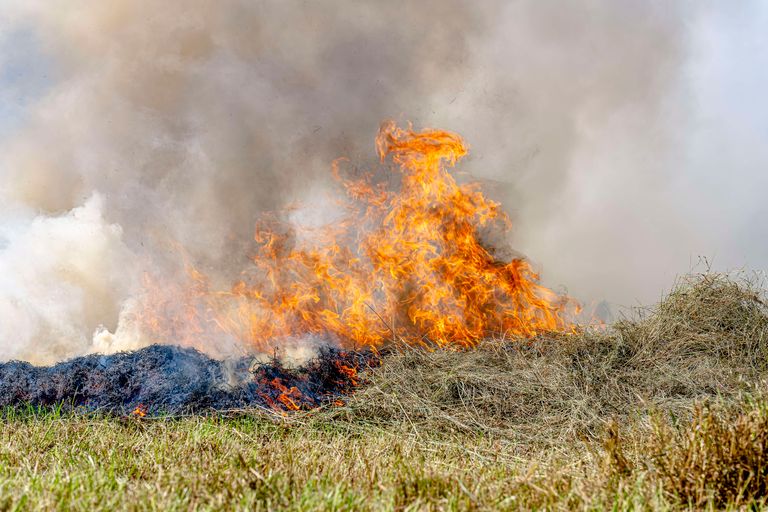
(256, 462)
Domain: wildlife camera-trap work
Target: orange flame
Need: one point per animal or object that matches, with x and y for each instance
(405, 262)
(349, 372)
(288, 396)
(140, 411)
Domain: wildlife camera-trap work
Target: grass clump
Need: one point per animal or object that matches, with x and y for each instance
(718, 459)
(708, 338)
(721, 457)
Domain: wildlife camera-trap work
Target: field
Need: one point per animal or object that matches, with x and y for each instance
(663, 410)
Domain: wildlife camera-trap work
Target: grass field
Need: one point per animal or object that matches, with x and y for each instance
(63, 462)
(664, 410)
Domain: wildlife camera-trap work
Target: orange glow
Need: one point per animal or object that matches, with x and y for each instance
(349, 372)
(406, 261)
(288, 396)
(140, 411)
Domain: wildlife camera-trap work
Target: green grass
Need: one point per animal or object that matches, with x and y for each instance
(84, 463)
(70, 462)
(50, 460)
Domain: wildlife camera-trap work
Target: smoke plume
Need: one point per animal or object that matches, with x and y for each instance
(151, 126)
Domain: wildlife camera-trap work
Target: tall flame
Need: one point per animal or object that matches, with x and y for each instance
(405, 262)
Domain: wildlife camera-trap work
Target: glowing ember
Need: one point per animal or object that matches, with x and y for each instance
(405, 262)
(287, 395)
(179, 380)
(349, 372)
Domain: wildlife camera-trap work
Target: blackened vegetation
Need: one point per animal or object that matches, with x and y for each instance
(173, 380)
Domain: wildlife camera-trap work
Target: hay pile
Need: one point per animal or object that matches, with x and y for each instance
(708, 338)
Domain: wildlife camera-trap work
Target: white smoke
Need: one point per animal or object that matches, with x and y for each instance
(61, 278)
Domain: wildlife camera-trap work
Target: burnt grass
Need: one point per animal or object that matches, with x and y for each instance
(163, 379)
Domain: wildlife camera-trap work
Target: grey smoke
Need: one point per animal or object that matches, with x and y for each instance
(144, 122)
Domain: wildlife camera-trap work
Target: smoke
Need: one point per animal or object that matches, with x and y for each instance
(623, 138)
(577, 113)
(61, 278)
(152, 125)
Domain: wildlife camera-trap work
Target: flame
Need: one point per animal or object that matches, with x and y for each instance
(140, 411)
(288, 396)
(349, 372)
(406, 261)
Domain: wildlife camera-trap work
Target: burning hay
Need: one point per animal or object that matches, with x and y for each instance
(708, 338)
(406, 262)
(173, 380)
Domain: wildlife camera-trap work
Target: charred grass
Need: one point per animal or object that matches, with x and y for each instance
(666, 409)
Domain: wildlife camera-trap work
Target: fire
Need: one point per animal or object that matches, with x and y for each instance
(140, 411)
(406, 261)
(349, 372)
(288, 396)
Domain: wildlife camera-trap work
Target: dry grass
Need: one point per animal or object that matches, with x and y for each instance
(708, 338)
(721, 457)
(717, 459)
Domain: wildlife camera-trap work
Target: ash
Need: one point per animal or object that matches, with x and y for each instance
(163, 379)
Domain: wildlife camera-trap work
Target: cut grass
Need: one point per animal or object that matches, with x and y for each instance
(708, 338)
(665, 410)
(85, 463)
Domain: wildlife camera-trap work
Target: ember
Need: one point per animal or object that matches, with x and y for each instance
(172, 380)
